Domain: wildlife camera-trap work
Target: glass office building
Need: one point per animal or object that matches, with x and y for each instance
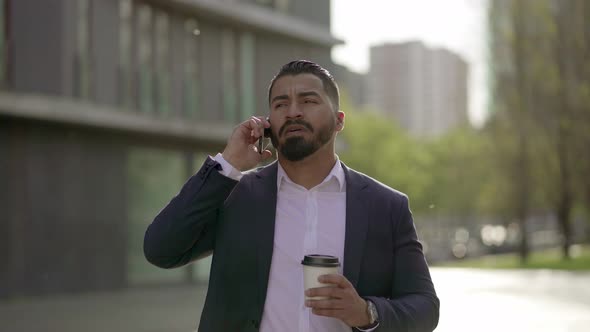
(108, 106)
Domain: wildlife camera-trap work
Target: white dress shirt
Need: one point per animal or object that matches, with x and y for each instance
(307, 222)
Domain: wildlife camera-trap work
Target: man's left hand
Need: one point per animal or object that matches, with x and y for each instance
(343, 301)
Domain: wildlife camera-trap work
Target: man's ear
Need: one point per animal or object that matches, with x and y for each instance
(340, 120)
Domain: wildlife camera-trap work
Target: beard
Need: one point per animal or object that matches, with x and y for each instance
(298, 148)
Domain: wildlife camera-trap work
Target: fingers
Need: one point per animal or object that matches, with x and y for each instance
(331, 307)
(339, 301)
(241, 150)
(266, 154)
(335, 279)
(331, 292)
(256, 126)
(325, 304)
(336, 313)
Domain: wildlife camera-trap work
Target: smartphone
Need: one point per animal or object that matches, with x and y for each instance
(267, 132)
(261, 139)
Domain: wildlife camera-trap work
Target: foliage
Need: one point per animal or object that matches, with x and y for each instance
(442, 176)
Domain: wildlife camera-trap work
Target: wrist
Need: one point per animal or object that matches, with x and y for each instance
(232, 161)
(371, 317)
(364, 316)
(367, 315)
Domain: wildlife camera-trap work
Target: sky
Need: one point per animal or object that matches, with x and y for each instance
(457, 25)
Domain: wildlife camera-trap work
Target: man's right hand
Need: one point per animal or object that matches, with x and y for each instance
(241, 151)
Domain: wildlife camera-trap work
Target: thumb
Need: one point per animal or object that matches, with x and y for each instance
(266, 154)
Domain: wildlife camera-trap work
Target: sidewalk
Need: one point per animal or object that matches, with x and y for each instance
(160, 309)
(471, 300)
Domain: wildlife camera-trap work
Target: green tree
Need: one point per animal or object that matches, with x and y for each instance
(460, 171)
(376, 146)
(540, 57)
(442, 176)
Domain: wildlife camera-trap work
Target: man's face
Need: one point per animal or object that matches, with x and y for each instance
(302, 116)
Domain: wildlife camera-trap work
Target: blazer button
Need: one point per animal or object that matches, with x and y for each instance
(255, 323)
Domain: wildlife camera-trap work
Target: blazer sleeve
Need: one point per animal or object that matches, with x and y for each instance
(414, 306)
(184, 230)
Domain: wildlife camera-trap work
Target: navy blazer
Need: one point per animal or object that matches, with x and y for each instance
(235, 221)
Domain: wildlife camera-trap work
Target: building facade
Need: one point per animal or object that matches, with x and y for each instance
(108, 106)
(423, 89)
(352, 85)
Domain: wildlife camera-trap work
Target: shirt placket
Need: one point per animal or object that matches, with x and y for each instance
(309, 247)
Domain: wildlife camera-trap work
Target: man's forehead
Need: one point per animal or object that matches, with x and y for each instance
(299, 83)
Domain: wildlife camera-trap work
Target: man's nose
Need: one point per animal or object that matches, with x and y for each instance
(294, 111)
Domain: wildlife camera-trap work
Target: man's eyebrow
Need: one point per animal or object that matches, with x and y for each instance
(280, 97)
(300, 95)
(309, 93)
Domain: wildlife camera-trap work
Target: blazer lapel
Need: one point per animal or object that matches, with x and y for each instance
(265, 187)
(357, 221)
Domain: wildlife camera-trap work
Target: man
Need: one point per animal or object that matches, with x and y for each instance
(259, 225)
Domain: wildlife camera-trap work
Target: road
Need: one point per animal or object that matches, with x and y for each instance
(513, 301)
(471, 300)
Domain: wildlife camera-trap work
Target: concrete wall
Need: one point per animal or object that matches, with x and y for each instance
(64, 209)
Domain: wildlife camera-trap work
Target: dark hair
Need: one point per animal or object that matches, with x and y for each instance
(307, 67)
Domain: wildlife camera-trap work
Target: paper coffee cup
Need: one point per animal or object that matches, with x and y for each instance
(315, 266)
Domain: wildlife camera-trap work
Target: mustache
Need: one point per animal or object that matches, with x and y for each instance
(295, 122)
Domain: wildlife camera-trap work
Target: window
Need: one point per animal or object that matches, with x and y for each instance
(82, 68)
(282, 5)
(146, 95)
(191, 32)
(228, 70)
(267, 3)
(125, 35)
(153, 175)
(248, 106)
(3, 46)
(162, 78)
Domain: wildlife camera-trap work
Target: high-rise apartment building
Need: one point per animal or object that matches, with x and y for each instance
(423, 89)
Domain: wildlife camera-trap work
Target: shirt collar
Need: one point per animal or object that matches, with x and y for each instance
(337, 173)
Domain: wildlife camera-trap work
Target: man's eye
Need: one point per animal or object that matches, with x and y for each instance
(280, 105)
(310, 101)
